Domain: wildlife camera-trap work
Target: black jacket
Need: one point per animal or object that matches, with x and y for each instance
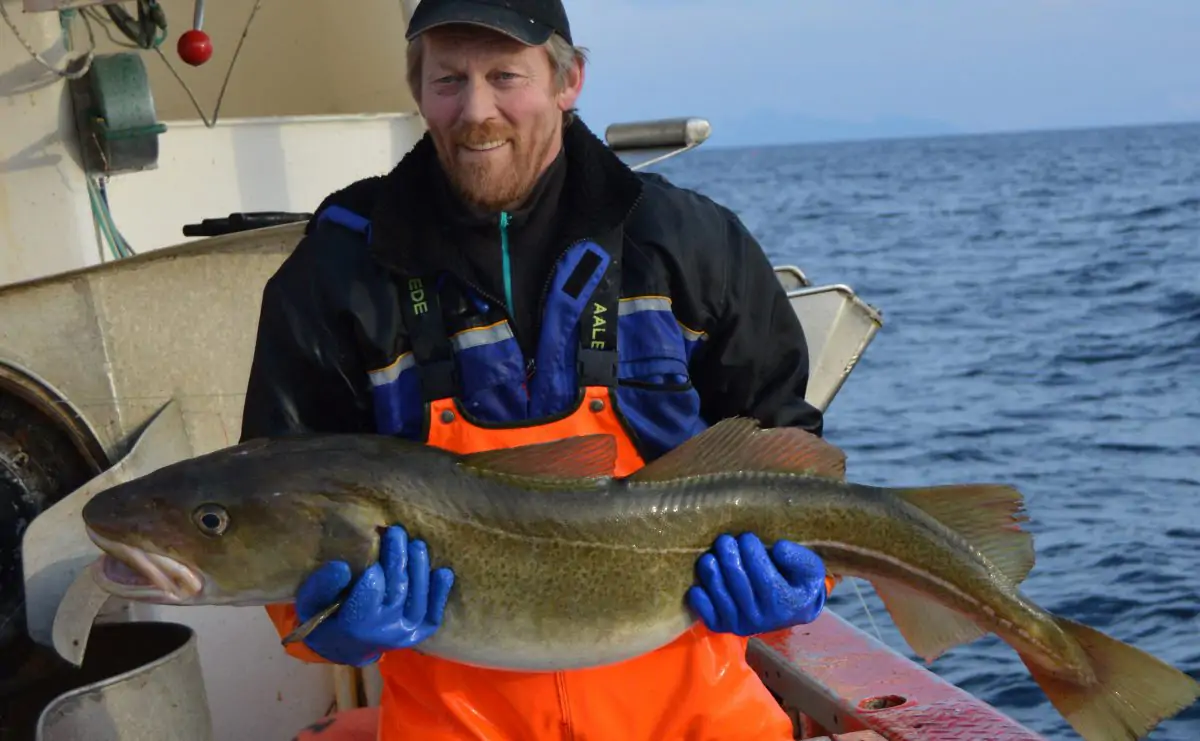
(329, 314)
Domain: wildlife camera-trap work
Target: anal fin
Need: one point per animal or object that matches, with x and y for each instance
(739, 444)
(927, 626)
(987, 516)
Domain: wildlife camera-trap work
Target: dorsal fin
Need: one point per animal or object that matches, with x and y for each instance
(739, 444)
(572, 458)
(988, 516)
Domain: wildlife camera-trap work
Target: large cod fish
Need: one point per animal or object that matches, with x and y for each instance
(558, 565)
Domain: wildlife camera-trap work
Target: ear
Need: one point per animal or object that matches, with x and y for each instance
(572, 87)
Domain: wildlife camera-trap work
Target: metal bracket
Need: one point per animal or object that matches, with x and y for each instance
(56, 550)
(652, 142)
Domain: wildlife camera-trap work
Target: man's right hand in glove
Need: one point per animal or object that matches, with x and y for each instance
(396, 603)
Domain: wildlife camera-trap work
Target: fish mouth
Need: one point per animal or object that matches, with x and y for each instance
(129, 572)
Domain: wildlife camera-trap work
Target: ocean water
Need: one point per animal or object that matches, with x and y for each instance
(1041, 303)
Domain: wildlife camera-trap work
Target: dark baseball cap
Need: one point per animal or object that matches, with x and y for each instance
(528, 21)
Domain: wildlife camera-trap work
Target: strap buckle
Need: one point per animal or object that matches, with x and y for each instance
(597, 367)
(439, 379)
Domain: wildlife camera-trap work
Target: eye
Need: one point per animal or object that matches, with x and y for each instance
(212, 519)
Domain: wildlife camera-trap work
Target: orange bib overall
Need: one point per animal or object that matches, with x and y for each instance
(698, 688)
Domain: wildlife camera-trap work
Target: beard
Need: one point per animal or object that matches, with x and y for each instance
(491, 182)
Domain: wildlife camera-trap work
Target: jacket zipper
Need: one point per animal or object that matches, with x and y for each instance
(506, 266)
(530, 363)
(506, 263)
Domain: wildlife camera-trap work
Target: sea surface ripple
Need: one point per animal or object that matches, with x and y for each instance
(1041, 303)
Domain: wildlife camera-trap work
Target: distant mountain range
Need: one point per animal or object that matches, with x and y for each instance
(780, 128)
(766, 128)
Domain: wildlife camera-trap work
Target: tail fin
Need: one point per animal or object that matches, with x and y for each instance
(1133, 692)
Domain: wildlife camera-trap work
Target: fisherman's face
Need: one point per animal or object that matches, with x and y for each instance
(494, 110)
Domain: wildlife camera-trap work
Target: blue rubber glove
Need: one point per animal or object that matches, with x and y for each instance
(395, 604)
(745, 591)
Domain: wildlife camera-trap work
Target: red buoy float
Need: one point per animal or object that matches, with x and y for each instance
(195, 47)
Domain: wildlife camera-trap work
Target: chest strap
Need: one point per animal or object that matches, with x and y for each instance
(597, 355)
(596, 361)
(422, 312)
(431, 349)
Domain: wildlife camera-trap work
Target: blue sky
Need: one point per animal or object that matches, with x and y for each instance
(774, 71)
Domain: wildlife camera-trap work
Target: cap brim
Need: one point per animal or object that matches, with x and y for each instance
(502, 20)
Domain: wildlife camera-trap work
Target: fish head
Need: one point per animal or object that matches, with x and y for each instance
(234, 527)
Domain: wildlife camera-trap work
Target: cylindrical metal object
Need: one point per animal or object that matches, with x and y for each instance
(139, 681)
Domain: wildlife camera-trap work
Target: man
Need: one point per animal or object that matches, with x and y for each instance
(511, 281)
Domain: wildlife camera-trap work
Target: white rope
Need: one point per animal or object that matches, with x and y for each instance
(95, 15)
(75, 68)
(228, 73)
(870, 618)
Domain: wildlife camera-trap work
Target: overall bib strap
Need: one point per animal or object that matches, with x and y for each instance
(422, 310)
(577, 346)
(597, 359)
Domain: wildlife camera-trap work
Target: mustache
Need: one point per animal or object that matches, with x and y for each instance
(477, 134)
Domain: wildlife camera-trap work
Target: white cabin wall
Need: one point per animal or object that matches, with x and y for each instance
(301, 57)
(45, 217)
(317, 99)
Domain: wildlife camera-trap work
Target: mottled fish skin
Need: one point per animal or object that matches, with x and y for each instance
(558, 572)
(554, 578)
(589, 579)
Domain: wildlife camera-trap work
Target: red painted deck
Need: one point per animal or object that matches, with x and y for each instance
(837, 683)
(835, 679)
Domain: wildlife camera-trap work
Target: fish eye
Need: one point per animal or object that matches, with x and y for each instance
(212, 519)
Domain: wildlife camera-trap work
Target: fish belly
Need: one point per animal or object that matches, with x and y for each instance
(555, 597)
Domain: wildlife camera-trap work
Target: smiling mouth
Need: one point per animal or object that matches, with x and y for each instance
(132, 573)
(485, 146)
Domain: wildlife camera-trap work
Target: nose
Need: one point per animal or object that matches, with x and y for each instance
(478, 101)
